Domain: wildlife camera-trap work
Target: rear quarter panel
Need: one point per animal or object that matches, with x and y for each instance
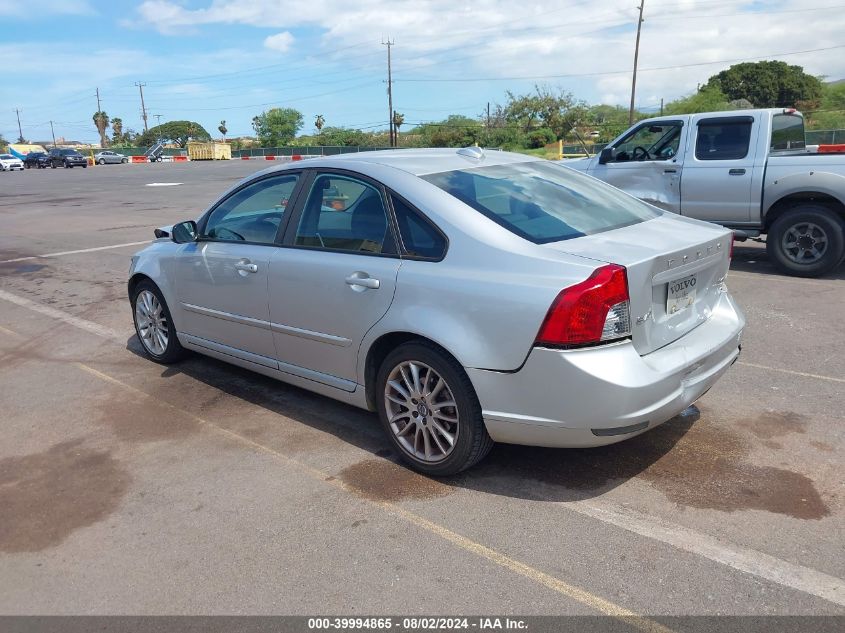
(787, 175)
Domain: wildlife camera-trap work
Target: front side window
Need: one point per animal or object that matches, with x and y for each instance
(656, 141)
(344, 214)
(543, 202)
(723, 139)
(787, 132)
(252, 214)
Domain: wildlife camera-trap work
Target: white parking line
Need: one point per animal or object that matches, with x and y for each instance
(82, 324)
(81, 250)
(743, 559)
(791, 372)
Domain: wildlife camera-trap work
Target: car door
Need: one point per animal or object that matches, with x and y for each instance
(646, 164)
(720, 168)
(221, 279)
(334, 279)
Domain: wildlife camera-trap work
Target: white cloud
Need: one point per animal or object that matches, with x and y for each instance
(589, 44)
(280, 42)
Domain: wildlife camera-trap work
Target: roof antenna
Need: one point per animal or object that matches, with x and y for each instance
(473, 151)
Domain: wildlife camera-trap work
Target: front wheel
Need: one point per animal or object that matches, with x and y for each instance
(102, 161)
(154, 325)
(124, 161)
(807, 241)
(430, 411)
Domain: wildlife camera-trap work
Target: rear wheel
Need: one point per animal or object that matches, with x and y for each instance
(807, 241)
(102, 161)
(154, 325)
(429, 410)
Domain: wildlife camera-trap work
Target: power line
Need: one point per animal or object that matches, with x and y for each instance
(618, 72)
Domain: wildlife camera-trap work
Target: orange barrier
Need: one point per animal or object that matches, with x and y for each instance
(269, 158)
(245, 157)
(139, 159)
(180, 159)
(296, 157)
(832, 149)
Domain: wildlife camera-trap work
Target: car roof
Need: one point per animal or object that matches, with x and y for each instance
(423, 161)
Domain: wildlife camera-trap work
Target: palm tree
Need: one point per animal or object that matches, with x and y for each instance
(398, 120)
(223, 129)
(117, 130)
(101, 120)
(319, 122)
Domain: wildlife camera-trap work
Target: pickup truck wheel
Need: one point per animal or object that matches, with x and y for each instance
(806, 241)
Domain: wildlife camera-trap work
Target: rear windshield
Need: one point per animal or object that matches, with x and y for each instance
(543, 202)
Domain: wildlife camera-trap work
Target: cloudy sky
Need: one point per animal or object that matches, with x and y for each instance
(208, 60)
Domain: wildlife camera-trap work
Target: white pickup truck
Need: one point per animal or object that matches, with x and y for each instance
(748, 170)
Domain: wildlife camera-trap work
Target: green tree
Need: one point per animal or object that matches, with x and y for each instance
(546, 107)
(4, 144)
(222, 128)
(454, 131)
(768, 84)
(117, 130)
(101, 120)
(179, 132)
(277, 126)
(708, 99)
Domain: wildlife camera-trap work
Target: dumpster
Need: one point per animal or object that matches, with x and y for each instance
(209, 151)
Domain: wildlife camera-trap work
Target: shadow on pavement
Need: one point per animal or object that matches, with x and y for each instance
(513, 471)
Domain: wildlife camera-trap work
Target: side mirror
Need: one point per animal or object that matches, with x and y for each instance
(184, 232)
(606, 155)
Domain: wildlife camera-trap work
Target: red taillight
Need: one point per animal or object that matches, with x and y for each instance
(592, 311)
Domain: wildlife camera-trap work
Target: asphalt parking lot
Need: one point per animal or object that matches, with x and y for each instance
(131, 488)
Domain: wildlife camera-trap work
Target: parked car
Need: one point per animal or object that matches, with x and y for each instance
(66, 158)
(35, 159)
(109, 157)
(467, 297)
(748, 170)
(10, 163)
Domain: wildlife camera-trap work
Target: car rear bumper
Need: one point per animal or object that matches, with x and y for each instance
(605, 394)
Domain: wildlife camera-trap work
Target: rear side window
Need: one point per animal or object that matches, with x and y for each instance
(543, 202)
(787, 132)
(419, 237)
(723, 139)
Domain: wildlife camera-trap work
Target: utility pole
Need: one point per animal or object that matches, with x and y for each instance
(158, 124)
(388, 43)
(143, 108)
(20, 132)
(487, 140)
(99, 109)
(53, 133)
(636, 57)
(661, 106)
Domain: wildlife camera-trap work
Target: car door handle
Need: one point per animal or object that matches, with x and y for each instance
(363, 280)
(245, 266)
(670, 171)
(736, 172)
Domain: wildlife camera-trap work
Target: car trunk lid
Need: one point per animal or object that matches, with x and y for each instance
(675, 269)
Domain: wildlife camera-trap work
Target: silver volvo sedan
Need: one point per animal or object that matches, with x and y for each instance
(468, 297)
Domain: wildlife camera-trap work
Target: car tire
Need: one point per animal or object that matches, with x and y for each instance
(153, 326)
(52, 165)
(806, 226)
(85, 166)
(124, 161)
(102, 161)
(414, 409)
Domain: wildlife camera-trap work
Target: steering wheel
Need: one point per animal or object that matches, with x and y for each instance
(643, 153)
(220, 232)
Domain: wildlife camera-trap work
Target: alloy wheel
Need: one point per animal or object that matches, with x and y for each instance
(804, 243)
(421, 411)
(152, 322)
